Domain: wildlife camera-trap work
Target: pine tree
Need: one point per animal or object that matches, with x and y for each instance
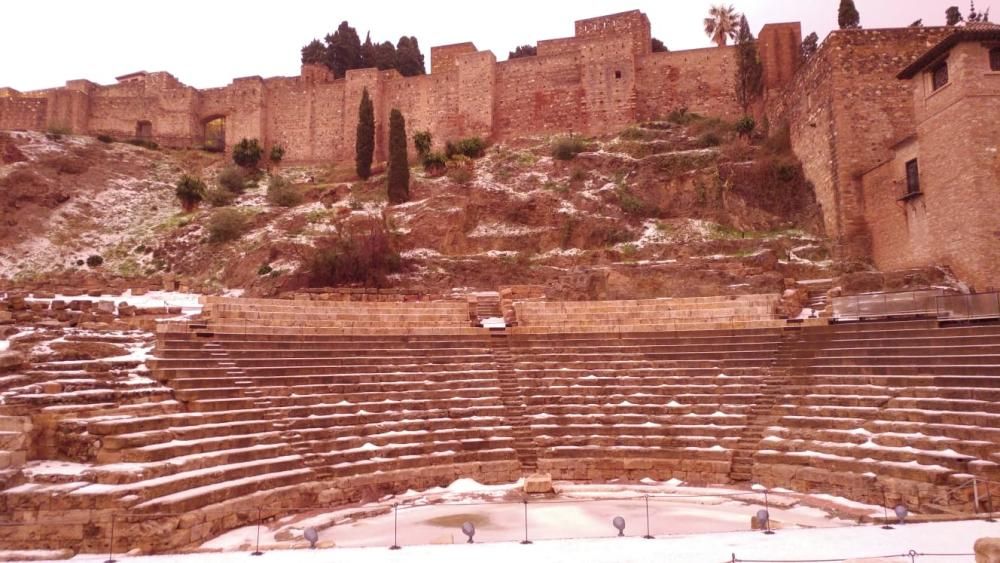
(409, 59)
(749, 71)
(399, 167)
(848, 16)
(385, 55)
(343, 50)
(952, 16)
(364, 147)
(522, 51)
(314, 53)
(657, 46)
(366, 57)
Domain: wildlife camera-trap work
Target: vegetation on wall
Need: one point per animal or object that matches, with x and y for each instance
(809, 46)
(343, 50)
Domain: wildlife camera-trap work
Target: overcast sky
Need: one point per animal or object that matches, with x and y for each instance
(207, 43)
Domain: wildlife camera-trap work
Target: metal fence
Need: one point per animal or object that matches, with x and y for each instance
(626, 516)
(931, 303)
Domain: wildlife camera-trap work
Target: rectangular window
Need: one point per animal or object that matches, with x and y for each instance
(995, 59)
(912, 177)
(939, 76)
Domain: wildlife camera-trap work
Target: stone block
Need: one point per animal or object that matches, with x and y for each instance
(987, 550)
(538, 484)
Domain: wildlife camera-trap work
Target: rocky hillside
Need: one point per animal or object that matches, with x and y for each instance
(665, 208)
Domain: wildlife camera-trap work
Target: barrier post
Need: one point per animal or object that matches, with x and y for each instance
(395, 527)
(526, 540)
(767, 523)
(257, 551)
(647, 536)
(111, 543)
(885, 512)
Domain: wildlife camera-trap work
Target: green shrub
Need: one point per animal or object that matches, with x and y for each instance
(281, 192)
(94, 260)
(233, 179)
(226, 224)
(219, 197)
(277, 153)
(190, 191)
(422, 141)
(566, 148)
(363, 255)
(681, 116)
(460, 170)
(105, 138)
(472, 147)
(745, 126)
(247, 153)
(709, 139)
(264, 270)
(435, 163)
(144, 143)
(578, 175)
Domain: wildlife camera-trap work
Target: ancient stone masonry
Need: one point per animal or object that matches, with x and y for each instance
(598, 81)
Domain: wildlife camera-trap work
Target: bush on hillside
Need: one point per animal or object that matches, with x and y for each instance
(472, 147)
(190, 191)
(422, 141)
(282, 193)
(247, 153)
(219, 197)
(226, 224)
(233, 179)
(566, 148)
(362, 255)
(435, 163)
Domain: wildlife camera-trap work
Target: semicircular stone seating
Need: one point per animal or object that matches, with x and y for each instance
(265, 406)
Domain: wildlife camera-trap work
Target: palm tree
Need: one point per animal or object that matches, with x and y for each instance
(721, 24)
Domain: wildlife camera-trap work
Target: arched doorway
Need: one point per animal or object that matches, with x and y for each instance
(214, 134)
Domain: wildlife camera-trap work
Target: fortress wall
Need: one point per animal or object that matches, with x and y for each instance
(700, 80)
(609, 84)
(539, 95)
(115, 110)
(22, 112)
(428, 103)
(780, 50)
(633, 25)
(846, 108)
(443, 56)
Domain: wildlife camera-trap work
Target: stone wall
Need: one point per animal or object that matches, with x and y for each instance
(957, 147)
(845, 110)
(598, 81)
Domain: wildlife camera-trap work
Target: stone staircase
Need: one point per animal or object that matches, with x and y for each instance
(513, 402)
(818, 288)
(762, 415)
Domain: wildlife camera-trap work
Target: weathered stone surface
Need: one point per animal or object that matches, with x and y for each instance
(538, 484)
(987, 550)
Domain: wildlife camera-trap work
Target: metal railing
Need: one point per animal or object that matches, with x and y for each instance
(930, 303)
(125, 530)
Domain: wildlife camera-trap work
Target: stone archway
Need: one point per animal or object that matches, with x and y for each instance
(214, 133)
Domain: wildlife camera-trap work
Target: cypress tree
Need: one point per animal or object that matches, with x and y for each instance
(848, 16)
(399, 167)
(749, 71)
(364, 147)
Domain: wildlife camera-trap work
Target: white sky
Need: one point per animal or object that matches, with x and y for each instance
(206, 43)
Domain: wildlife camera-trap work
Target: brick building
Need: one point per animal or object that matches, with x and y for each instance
(935, 200)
